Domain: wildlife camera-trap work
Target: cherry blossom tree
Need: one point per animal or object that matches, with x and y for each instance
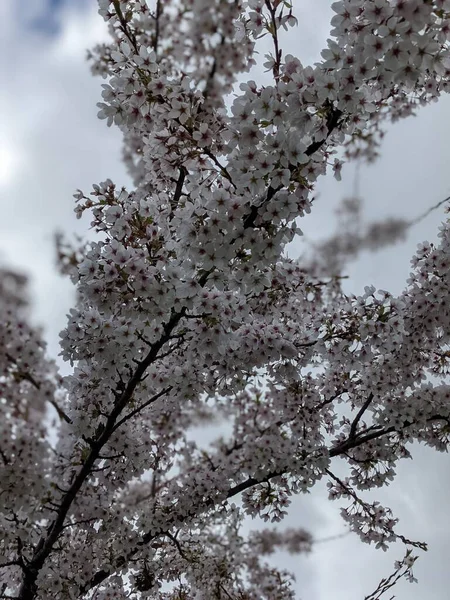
(186, 300)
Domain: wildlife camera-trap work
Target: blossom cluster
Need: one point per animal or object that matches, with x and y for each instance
(186, 299)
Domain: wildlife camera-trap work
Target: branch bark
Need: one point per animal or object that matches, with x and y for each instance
(104, 574)
(44, 547)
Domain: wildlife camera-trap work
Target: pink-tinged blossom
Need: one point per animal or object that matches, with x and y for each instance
(187, 296)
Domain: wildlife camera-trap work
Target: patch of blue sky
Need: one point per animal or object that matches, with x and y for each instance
(47, 19)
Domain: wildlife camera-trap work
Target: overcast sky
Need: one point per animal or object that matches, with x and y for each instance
(52, 143)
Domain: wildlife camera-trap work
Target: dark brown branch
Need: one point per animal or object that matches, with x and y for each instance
(140, 408)
(225, 591)
(330, 400)
(389, 582)
(212, 73)
(250, 482)
(62, 415)
(10, 563)
(351, 492)
(337, 450)
(349, 444)
(223, 170)
(356, 420)
(430, 210)
(124, 25)
(157, 18)
(4, 458)
(332, 123)
(274, 34)
(45, 545)
(178, 188)
(178, 545)
(82, 522)
(250, 219)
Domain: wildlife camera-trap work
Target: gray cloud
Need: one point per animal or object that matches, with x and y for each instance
(54, 144)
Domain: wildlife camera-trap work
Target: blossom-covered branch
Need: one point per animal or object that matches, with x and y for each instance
(186, 297)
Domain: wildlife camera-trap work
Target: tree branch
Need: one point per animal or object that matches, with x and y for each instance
(10, 563)
(337, 450)
(157, 17)
(274, 33)
(362, 410)
(179, 188)
(123, 22)
(45, 545)
(26, 376)
(332, 123)
(140, 408)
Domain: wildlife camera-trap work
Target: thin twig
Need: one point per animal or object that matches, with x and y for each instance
(430, 210)
(139, 408)
(26, 376)
(274, 34)
(124, 24)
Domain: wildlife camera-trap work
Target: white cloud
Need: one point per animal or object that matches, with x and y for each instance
(8, 162)
(54, 144)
